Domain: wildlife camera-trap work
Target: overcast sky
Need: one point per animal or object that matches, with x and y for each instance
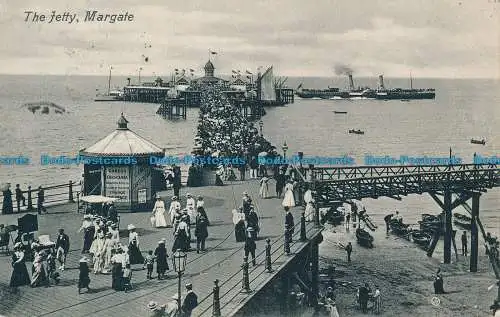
(431, 38)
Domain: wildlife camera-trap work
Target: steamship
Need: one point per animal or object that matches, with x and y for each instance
(381, 93)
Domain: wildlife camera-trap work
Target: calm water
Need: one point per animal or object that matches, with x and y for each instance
(463, 109)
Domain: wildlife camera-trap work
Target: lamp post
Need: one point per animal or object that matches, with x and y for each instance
(284, 148)
(179, 261)
(261, 124)
(140, 69)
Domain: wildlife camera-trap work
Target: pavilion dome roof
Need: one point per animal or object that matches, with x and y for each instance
(209, 66)
(123, 142)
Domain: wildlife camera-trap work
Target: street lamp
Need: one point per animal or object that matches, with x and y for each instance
(179, 261)
(261, 124)
(284, 148)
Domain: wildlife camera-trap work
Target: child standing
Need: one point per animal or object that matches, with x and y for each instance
(149, 263)
(127, 277)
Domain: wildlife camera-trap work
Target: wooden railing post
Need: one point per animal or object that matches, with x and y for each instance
(30, 203)
(303, 227)
(245, 283)
(216, 303)
(269, 268)
(287, 239)
(70, 192)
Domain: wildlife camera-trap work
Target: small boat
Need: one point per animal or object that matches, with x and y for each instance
(405, 100)
(356, 131)
(462, 220)
(45, 110)
(335, 216)
(474, 141)
(114, 95)
(421, 238)
(399, 228)
(340, 112)
(364, 238)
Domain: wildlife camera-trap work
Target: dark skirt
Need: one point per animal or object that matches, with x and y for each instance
(88, 238)
(116, 277)
(84, 281)
(162, 265)
(181, 241)
(20, 275)
(239, 232)
(135, 254)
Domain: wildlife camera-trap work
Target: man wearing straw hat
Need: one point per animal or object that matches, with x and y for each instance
(155, 310)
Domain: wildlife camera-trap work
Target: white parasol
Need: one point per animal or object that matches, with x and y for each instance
(96, 199)
(263, 154)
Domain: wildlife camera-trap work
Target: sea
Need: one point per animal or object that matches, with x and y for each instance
(463, 109)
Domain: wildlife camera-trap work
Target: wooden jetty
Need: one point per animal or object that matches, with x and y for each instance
(173, 108)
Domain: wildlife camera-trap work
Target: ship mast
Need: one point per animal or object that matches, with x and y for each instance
(411, 82)
(109, 80)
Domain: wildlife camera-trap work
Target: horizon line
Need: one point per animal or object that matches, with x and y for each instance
(284, 75)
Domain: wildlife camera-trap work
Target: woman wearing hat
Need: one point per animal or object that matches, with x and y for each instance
(39, 276)
(161, 259)
(190, 205)
(134, 251)
(88, 233)
(239, 225)
(174, 206)
(289, 200)
(19, 275)
(158, 217)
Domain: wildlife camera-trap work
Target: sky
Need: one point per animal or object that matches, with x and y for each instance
(429, 38)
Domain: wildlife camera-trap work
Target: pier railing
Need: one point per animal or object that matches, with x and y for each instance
(230, 287)
(53, 195)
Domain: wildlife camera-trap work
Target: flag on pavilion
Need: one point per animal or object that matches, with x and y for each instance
(248, 72)
(212, 52)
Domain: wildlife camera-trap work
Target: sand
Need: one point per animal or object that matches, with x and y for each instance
(404, 275)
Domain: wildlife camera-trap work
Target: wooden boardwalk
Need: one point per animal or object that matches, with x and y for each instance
(222, 261)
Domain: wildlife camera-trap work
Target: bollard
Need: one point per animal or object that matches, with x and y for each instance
(287, 240)
(303, 227)
(70, 198)
(245, 285)
(216, 304)
(269, 268)
(30, 203)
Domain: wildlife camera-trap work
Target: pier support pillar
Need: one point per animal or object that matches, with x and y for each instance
(448, 228)
(285, 287)
(474, 243)
(314, 273)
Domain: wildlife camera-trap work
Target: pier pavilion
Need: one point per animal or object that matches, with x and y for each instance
(118, 166)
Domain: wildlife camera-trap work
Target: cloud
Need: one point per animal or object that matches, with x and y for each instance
(299, 38)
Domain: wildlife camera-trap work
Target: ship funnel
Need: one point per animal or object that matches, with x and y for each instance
(351, 82)
(381, 82)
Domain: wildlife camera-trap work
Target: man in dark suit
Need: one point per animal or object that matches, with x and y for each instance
(190, 301)
(40, 200)
(289, 223)
(19, 197)
(280, 183)
(62, 247)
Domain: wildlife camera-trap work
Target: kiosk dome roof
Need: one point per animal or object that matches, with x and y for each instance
(123, 142)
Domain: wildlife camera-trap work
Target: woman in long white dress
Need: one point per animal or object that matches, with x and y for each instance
(174, 206)
(288, 201)
(190, 206)
(309, 212)
(264, 187)
(159, 213)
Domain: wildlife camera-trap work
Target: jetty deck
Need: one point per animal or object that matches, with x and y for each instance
(222, 261)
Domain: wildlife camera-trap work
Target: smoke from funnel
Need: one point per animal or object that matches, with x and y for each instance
(341, 69)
